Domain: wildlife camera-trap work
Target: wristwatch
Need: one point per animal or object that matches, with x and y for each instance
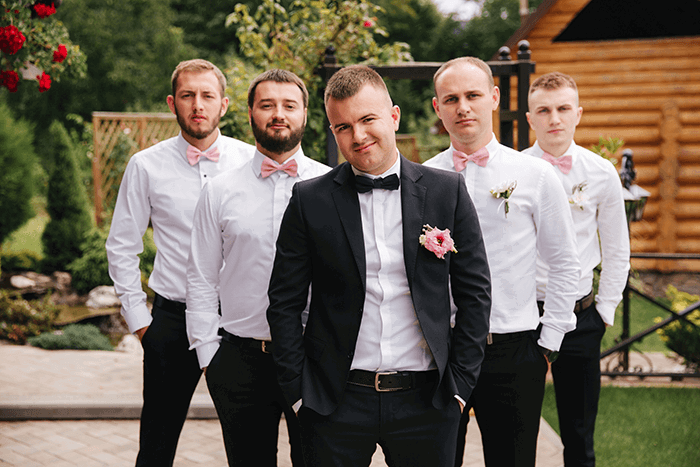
(550, 354)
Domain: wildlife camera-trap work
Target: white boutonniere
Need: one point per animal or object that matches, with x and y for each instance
(578, 198)
(503, 191)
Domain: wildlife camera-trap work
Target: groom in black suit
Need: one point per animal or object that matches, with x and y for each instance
(378, 362)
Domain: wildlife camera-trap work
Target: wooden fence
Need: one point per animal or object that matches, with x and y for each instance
(117, 137)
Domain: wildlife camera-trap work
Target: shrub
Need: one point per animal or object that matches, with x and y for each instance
(67, 205)
(680, 336)
(73, 336)
(18, 162)
(24, 260)
(92, 268)
(21, 319)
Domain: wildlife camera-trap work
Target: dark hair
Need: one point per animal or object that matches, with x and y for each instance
(198, 66)
(278, 76)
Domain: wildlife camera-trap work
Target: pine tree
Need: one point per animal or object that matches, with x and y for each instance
(67, 205)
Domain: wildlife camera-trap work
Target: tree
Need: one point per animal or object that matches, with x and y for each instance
(18, 162)
(295, 38)
(67, 205)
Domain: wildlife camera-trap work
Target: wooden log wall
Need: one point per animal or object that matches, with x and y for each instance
(646, 92)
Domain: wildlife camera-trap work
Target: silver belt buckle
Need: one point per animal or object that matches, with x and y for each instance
(264, 347)
(376, 381)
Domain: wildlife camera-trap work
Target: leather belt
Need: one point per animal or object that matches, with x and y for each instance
(584, 303)
(391, 381)
(246, 342)
(169, 305)
(580, 305)
(511, 336)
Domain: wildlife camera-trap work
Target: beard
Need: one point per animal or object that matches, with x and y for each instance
(201, 134)
(275, 143)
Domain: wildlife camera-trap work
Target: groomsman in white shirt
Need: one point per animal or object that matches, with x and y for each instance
(521, 207)
(598, 210)
(161, 185)
(236, 224)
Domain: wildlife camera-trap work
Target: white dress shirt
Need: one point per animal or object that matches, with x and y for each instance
(597, 210)
(538, 219)
(390, 336)
(160, 184)
(236, 224)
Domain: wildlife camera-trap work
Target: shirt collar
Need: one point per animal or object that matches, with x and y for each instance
(571, 151)
(297, 156)
(491, 147)
(182, 143)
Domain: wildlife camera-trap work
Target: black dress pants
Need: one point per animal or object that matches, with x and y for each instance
(507, 401)
(576, 376)
(242, 381)
(170, 376)
(410, 431)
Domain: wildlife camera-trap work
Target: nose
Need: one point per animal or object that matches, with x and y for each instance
(555, 118)
(358, 134)
(198, 102)
(463, 107)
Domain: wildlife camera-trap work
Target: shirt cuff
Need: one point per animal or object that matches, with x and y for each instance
(297, 406)
(606, 312)
(137, 318)
(206, 352)
(464, 404)
(550, 338)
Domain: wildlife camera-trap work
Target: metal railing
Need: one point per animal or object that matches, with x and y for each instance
(625, 340)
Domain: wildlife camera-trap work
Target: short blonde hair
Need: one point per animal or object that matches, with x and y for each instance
(477, 62)
(198, 65)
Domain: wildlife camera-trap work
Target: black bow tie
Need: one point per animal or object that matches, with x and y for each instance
(365, 184)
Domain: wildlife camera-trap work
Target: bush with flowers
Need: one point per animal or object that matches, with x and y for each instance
(34, 45)
(295, 38)
(683, 337)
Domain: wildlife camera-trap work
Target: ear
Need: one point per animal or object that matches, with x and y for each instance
(579, 113)
(224, 106)
(527, 114)
(496, 96)
(250, 116)
(396, 116)
(171, 104)
(436, 107)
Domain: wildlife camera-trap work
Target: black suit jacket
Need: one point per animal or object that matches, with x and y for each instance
(321, 243)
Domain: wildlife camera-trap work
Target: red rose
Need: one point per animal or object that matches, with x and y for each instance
(9, 79)
(11, 39)
(60, 54)
(43, 11)
(367, 24)
(44, 82)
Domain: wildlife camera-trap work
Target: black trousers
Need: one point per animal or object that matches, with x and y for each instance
(411, 432)
(507, 401)
(243, 385)
(170, 376)
(576, 376)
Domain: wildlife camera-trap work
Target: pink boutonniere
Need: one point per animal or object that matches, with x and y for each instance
(437, 241)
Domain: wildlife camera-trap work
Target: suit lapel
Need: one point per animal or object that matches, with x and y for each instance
(348, 206)
(412, 211)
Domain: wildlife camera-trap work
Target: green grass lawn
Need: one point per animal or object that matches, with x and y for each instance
(642, 426)
(642, 314)
(28, 237)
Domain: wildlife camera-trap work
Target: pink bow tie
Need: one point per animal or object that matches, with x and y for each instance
(480, 158)
(193, 155)
(562, 162)
(269, 167)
